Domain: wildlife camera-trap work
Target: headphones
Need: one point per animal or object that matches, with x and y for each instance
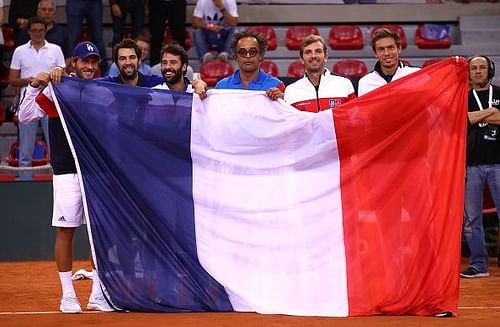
(491, 65)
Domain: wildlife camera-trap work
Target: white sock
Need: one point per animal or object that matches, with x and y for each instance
(96, 285)
(67, 284)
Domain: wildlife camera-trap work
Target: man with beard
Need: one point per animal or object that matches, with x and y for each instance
(68, 205)
(248, 50)
(386, 46)
(126, 55)
(318, 90)
(483, 160)
(174, 65)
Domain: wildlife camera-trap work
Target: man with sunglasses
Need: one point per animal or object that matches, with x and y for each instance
(248, 50)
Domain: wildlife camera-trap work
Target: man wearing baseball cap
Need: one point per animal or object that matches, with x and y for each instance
(68, 206)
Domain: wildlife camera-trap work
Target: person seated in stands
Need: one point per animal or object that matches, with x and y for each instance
(386, 46)
(126, 56)
(214, 22)
(248, 50)
(56, 33)
(28, 60)
(144, 68)
(318, 90)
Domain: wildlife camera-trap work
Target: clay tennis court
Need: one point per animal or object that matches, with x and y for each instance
(29, 296)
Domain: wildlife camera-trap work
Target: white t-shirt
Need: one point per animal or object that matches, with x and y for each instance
(210, 14)
(31, 62)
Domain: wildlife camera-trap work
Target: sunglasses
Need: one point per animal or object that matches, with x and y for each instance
(252, 52)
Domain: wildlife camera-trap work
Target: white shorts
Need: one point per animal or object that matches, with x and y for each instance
(68, 204)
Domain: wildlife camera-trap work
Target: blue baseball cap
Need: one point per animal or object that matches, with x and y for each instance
(85, 49)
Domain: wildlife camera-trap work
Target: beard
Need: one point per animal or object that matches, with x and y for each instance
(128, 74)
(172, 79)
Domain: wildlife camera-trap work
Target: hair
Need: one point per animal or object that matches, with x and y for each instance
(142, 38)
(177, 50)
(490, 63)
(381, 33)
(261, 41)
(49, 1)
(310, 40)
(126, 44)
(36, 20)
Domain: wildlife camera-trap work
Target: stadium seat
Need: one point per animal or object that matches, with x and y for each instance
(346, 37)
(295, 35)
(268, 33)
(40, 154)
(350, 68)
(4, 75)
(167, 38)
(42, 177)
(429, 62)
(2, 114)
(269, 67)
(296, 69)
(8, 36)
(396, 28)
(85, 34)
(214, 70)
(433, 36)
(7, 178)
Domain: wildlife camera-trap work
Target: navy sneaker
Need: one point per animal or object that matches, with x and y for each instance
(472, 272)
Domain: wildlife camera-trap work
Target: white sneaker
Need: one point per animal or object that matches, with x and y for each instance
(99, 303)
(224, 56)
(70, 304)
(207, 57)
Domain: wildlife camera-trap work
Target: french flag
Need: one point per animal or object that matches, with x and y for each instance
(240, 203)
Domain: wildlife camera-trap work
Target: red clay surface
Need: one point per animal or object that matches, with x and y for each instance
(30, 291)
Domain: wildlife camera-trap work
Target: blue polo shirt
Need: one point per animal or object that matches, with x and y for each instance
(263, 82)
(144, 80)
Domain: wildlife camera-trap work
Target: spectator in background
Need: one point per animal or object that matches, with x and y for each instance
(20, 11)
(483, 160)
(120, 9)
(91, 11)
(28, 60)
(175, 12)
(248, 50)
(386, 46)
(56, 33)
(318, 90)
(143, 68)
(214, 22)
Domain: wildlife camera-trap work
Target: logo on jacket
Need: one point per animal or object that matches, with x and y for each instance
(335, 103)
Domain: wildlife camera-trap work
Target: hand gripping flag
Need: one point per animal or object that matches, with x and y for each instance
(240, 203)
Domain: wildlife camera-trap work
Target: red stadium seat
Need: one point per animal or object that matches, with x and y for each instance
(4, 75)
(2, 114)
(346, 37)
(268, 33)
(167, 38)
(429, 62)
(396, 28)
(7, 178)
(295, 35)
(8, 36)
(85, 34)
(433, 36)
(40, 154)
(269, 67)
(350, 68)
(296, 69)
(42, 177)
(214, 70)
